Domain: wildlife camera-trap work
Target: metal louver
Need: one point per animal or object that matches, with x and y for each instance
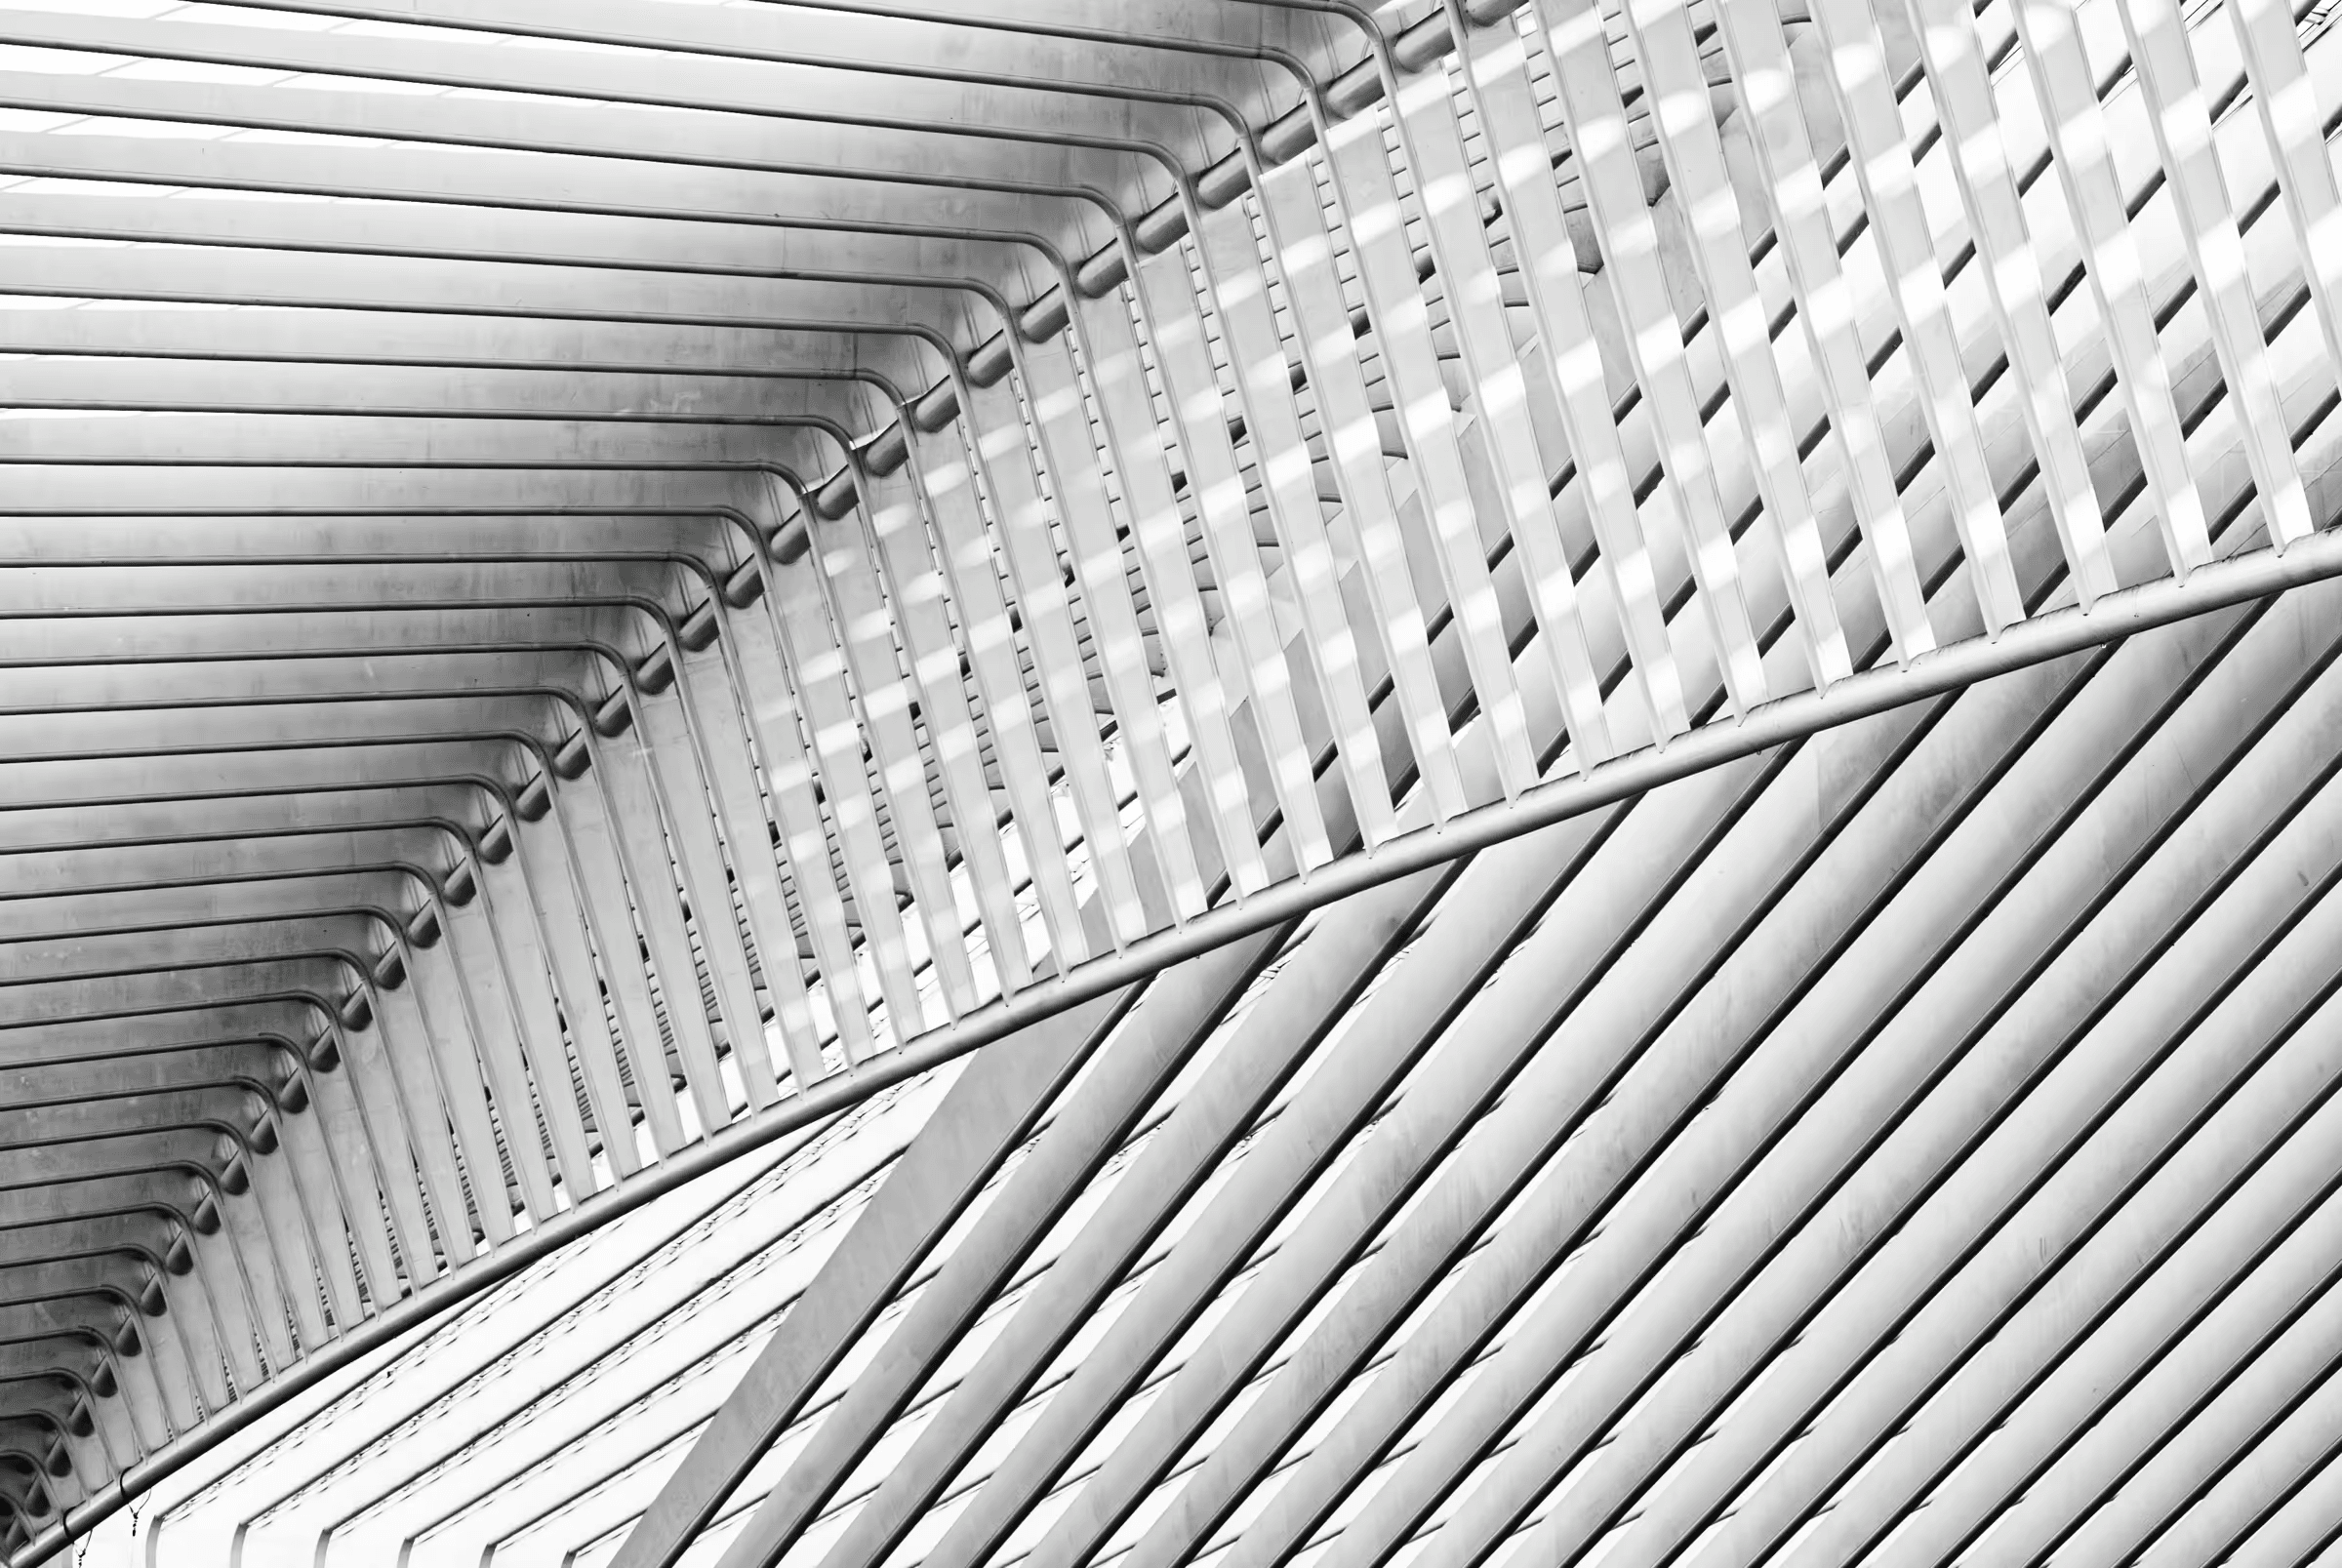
(586, 586)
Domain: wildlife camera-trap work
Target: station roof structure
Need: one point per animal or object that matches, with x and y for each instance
(981, 783)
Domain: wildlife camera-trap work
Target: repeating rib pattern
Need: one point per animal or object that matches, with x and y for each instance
(586, 588)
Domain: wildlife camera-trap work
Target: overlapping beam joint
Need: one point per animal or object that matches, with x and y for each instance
(564, 597)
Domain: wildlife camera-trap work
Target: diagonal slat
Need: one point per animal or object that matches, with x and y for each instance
(1497, 73)
(1988, 191)
(2116, 272)
(1329, 352)
(1175, 327)
(1596, 119)
(1898, 226)
(1145, 465)
(973, 581)
(1239, 286)
(2182, 125)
